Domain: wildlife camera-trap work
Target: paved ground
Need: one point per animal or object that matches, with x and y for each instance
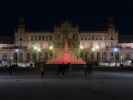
(98, 86)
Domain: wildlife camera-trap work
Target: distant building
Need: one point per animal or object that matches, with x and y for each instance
(100, 41)
(126, 45)
(35, 46)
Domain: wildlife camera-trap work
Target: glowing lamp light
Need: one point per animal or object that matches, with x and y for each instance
(93, 49)
(38, 49)
(115, 49)
(17, 50)
(51, 47)
(81, 47)
(35, 48)
(97, 47)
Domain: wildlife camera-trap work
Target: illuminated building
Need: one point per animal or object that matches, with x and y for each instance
(95, 43)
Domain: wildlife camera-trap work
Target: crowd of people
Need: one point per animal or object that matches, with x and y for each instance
(61, 70)
(64, 68)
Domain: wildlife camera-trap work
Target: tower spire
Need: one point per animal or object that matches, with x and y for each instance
(111, 24)
(21, 25)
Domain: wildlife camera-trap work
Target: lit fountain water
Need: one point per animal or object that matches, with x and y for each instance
(66, 58)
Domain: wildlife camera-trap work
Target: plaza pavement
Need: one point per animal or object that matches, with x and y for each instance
(98, 86)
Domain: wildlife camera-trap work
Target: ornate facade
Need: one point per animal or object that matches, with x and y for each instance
(95, 44)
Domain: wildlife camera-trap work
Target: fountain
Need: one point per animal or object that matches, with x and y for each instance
(66, 56)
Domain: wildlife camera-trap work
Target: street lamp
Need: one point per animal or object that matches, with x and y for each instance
(37, 49)
(97, 47)
(51, 47)
(80, 51)
(115, 51)
(51, 51)
(81, 47)
(94, 50)
(16, 52)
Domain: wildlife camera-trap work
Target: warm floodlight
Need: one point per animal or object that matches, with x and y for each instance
(51, 47)
(81, 47)
(93, 49)
(97, 47)
(36, 48)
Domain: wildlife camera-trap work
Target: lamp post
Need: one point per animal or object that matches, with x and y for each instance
(17, 56)
(115, 52)
(51, 48)
(81, 48)
(95, 50)
(37, 50)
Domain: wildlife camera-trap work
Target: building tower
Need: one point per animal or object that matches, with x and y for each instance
(19, 34)
(19, 40)
(113, 34)
(112, 29)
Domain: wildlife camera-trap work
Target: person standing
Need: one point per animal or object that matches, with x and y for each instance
(64, 68)
(42, 72)
(87, 69)
(58, 69)
(11, 69)
(61, 69)
(42, 69)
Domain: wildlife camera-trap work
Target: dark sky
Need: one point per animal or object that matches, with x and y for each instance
(43, 15)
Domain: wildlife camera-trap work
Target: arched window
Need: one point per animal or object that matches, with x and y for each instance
(82, 38)
(46, 38)
(43, 37)
(40, 37)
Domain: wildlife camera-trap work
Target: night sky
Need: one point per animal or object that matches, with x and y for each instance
(44, 15)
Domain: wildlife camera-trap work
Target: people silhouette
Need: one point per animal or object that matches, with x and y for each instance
(87, 69)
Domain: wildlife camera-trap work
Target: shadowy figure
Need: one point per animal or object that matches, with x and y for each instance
(12, 68)
(122, 66)
(88, 69)
(61, 69)
(42, 69)
(68, 67)
(58, 70)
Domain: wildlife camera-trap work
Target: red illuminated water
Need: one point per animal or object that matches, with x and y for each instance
(67, 57)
